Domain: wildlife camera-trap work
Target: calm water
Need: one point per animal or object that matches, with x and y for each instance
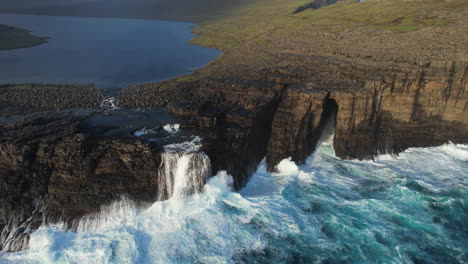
(107, 52)
(407, 209)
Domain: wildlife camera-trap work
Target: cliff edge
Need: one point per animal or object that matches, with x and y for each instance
(392, 74)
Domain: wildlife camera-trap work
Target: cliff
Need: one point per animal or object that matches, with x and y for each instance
(391, 79)
(52, 170)
(388, 76)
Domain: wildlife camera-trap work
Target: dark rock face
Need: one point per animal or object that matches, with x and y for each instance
(411, 109)
(56, 168)
(272, 102)
(51, 170)
(284, 115)
(298, 125)
(236, 135)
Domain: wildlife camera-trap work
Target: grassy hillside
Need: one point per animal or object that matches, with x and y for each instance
(251, 21)
(229, 23)
(14, 38)
(399, 16)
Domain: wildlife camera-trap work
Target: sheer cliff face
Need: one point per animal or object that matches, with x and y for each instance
(408, 107)
(270, 97)
(415, 108)
(385, 91)
(50, 171)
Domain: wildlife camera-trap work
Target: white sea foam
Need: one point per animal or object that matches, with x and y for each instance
(110, 216)
(187, 146)
(171, 128)
(182, 173)
(143, 131)
(327, 209)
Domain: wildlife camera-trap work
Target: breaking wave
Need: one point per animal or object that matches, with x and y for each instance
(407, 209)
(171, 128)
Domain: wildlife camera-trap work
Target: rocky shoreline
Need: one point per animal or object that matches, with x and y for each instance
(30, 98)
(49, 161)
(385, 91)
(56, 169)
(382, 107)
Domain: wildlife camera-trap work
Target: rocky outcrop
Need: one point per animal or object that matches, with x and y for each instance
(271, 97)
(236, 135)
(283, 112)
(390, 88)
(419, 108)
(298, 125)
(52, 170)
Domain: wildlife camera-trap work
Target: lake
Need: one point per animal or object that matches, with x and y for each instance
(107, 52)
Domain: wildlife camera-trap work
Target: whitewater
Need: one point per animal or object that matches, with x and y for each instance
(411, 208)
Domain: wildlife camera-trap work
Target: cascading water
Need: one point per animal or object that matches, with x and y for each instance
(406, 209)
(15, 236)
(183, 171)
(110, 216)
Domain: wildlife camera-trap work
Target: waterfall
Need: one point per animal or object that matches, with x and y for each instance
(15, 234)
(14, 237)
(183, 171)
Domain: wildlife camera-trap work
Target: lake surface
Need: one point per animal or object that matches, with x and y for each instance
(107, 52)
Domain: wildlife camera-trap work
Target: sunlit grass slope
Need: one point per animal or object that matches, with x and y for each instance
(251, 21)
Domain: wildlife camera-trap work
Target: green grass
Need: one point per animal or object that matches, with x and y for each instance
(187, 78)
(244, 23)
(250, 22)
(398, 16)
(15, 38)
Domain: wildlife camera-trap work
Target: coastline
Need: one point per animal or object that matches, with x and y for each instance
(164, 54)
(272, 93)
